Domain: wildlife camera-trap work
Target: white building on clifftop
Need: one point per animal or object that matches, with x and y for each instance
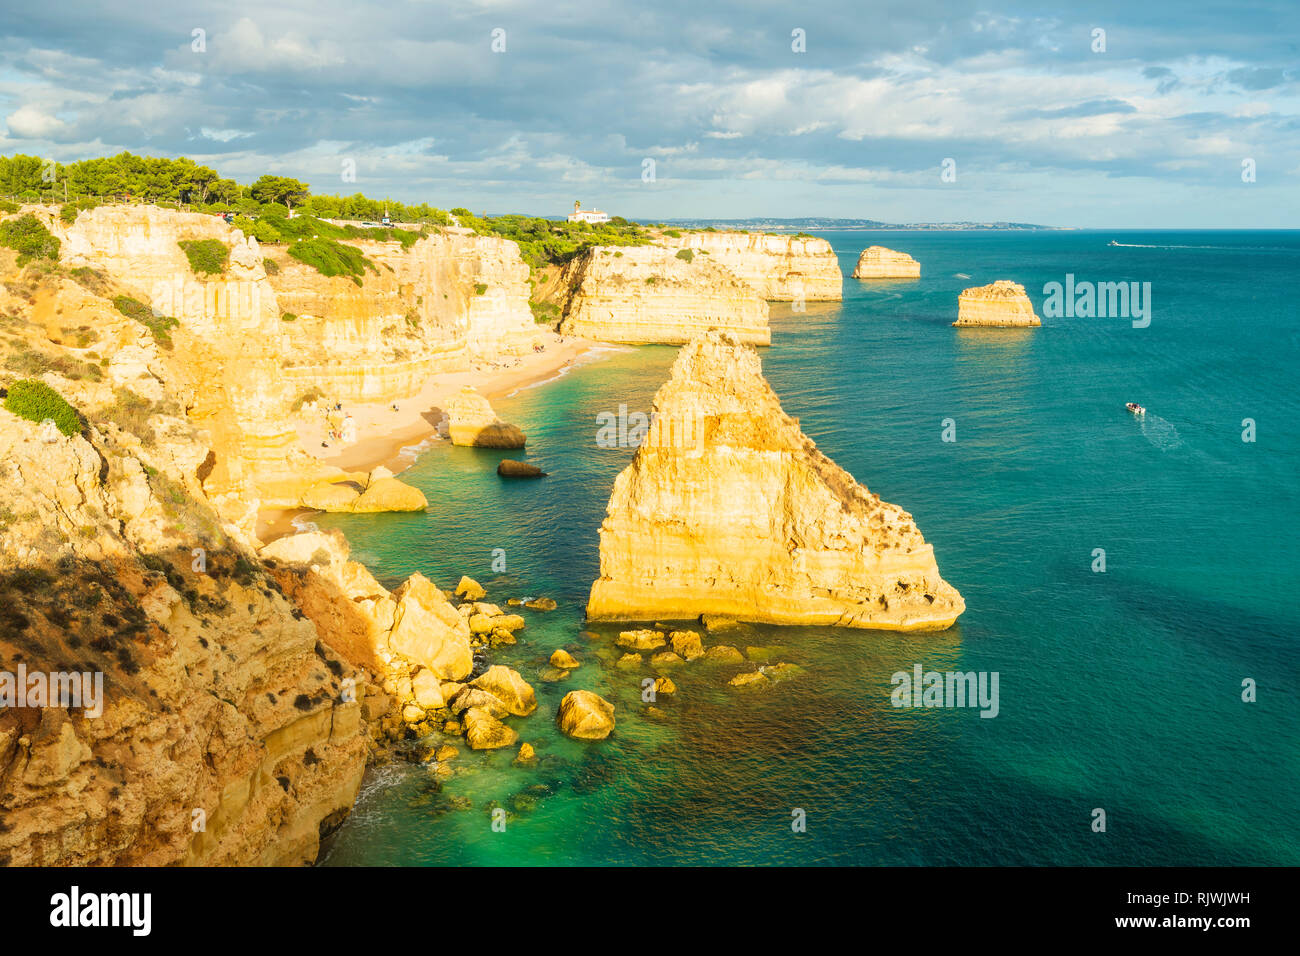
(587, 215)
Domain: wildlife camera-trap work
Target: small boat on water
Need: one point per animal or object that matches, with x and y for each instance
(1112, 243)
(1135, 408)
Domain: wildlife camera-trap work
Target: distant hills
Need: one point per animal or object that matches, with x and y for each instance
(819, 224)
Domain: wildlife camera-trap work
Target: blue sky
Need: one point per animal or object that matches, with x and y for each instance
(1152, 132)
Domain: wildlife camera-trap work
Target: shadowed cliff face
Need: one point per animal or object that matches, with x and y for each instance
(729, 509)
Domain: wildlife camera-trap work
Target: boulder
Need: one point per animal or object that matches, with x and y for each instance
(687, 644)
(541, 604)
(748, 679)
(469, 590)
(325, 496)
(389, 494)
(485, 732)
(665, 659)
(509, 468)
(629, 661)
(471, 421)
(723, 654)
(506, 684)
(427, 630)
(585, 716)
(526, 754)
(564, 660)
(476, 698)
(641, 640)
(427, 689)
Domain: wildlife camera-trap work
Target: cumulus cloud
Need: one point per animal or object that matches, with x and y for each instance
(737, 121)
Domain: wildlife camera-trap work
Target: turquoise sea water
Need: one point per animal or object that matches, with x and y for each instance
(1118, 690)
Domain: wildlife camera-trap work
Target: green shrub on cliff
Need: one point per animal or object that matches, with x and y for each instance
(36, 401)
(157, 324)
(686, 254)
(29, 238)
(331, 258)
(207, 256)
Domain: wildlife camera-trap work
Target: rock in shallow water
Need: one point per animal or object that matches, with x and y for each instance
(729, 509)
(509, 468)
(586, 716)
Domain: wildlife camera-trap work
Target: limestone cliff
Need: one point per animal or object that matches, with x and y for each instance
(449, 299)
(877, 262)
(252, 346)
(785, 268)
(729, 509)
(647, 294)
(228, 733)
(1003, 303)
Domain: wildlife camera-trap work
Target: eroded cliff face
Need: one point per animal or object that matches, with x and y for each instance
(249, 346)
(227, 733)
(783, 268)
(877, 262)
(446, 301)
(647, 294)
(1000, 304)
(729, 509)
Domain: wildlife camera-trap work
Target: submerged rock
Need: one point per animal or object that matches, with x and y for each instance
(541, 604)
(723, 654)
(564, 660)
(586, 716)
(748, 679)
(729, 509)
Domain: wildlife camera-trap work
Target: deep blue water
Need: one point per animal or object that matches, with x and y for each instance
(1118, 690)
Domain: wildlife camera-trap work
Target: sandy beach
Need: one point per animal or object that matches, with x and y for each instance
(383, 430)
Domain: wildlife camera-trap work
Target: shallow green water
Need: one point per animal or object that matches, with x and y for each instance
(1119, 690)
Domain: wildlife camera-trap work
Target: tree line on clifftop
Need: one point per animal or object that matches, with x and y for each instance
(280, 209)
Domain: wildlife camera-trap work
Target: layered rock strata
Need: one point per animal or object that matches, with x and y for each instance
(780, 268)
(1000, 304)
(729, 509)
(647, 294)
(877, 262)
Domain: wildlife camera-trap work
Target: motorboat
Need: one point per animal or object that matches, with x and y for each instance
(1135, 408)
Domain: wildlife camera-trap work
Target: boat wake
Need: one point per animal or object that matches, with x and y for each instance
(1143, 245)
(1160, 432)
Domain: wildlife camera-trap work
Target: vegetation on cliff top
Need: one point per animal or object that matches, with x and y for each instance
(206, 255)
(29, 238)
(545, 242)
(331, 258)
(36, 401)
(263, 209)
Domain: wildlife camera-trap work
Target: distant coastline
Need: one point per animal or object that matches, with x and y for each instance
(857, 225)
